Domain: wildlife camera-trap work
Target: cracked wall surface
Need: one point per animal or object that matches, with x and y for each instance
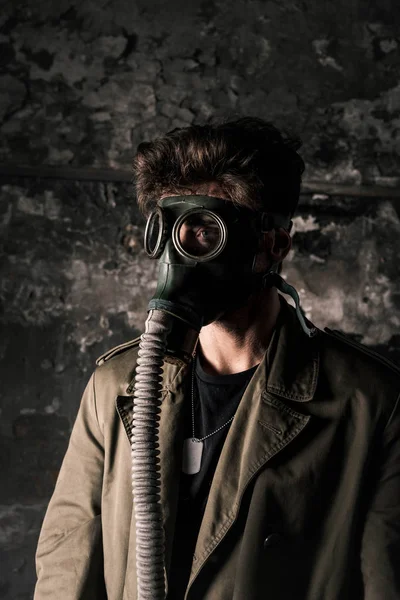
(81, 84)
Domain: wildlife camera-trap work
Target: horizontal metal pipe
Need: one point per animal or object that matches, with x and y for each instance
(119, 175)
(344, 189)
(70, 173)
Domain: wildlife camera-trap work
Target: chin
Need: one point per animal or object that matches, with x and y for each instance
(255, 303)
(228, 317)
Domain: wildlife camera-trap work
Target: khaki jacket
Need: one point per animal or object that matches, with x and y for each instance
(305, 501)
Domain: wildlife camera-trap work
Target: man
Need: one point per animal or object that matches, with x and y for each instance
(280, 448)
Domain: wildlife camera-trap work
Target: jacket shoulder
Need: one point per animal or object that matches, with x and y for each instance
(364, 350)
(117, 350)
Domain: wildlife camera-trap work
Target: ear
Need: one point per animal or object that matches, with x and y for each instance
(277, 243)
(273, 248)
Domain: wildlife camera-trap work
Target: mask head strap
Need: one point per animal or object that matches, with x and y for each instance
(273, 279)
(275, 221)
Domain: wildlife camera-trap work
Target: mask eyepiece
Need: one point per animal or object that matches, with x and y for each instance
(200, 234)
(154, 233)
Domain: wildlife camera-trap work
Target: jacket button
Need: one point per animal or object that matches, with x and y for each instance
(272, 540)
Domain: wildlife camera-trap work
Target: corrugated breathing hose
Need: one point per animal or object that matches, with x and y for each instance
(146, 480)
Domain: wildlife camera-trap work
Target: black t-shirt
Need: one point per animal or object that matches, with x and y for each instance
(216, 399)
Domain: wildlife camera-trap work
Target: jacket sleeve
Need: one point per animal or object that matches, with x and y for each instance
(69, 556)
(380, 555)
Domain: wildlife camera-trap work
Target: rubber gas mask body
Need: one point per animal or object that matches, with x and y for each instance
(206, 248)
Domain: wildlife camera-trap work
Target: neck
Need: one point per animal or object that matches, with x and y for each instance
(239, 339)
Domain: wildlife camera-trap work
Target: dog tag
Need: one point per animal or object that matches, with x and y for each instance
(191, 459)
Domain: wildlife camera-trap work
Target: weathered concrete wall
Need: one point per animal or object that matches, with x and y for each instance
(80, 85)
(84, 82)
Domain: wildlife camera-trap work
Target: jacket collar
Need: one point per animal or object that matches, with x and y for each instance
(292, 358)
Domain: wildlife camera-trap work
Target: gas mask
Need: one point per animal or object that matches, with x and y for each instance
(207, 250)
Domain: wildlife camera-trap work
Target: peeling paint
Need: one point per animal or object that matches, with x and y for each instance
(321, 48)
(53, 407)
(303, 225)
(388, 45)
(11, 526)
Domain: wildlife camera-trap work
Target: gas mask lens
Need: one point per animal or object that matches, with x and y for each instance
(199, 234)
(154, 233)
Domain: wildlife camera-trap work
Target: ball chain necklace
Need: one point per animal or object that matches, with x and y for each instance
(193, 447)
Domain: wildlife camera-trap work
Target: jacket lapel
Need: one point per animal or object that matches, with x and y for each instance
(263, 426)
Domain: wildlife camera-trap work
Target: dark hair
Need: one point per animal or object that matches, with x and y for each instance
(252, 161)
